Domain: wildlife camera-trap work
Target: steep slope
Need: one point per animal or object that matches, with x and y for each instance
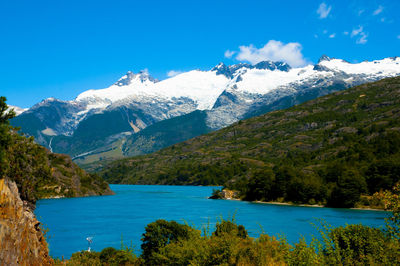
(153, 138)
(328, 150)
(166, 133)
(39, 173)
(225, 93)
(22, 241)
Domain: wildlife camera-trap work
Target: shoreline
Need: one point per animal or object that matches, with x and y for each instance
(305, 205)
(289, 204)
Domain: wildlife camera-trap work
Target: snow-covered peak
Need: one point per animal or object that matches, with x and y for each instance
(204, 87)
(17, 110)
(282, 66)
(141, 77)
(221, 65)
(47, 100)
(387, 67)
(261, 81)
(233, 70)
(324, 58)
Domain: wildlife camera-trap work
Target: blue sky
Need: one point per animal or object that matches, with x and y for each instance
(61, 48)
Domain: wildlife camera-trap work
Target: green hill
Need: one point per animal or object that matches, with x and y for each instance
(329, 151)
(39, 173)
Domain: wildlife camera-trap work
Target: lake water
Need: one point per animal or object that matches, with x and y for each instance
(108, 219)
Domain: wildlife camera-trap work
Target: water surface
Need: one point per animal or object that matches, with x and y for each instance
(108, 219)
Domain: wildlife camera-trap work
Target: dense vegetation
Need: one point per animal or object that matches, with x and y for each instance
(330, 151)
(39, 173)
(170, 243)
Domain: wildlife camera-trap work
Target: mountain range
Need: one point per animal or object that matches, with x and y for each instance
(139, 114)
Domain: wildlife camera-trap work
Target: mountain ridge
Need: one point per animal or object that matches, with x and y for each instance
(226, 94)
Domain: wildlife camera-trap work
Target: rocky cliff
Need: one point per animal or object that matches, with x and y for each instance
(22, 241)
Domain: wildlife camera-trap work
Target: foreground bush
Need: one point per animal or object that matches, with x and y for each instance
(349, 245)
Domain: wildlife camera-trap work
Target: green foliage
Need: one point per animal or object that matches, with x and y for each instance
(160, 233)
(260, 186)
(303, 254)
(39, 173)
(230, 228)
(391, 200)
(216, 194)
(327, 151)
(347, 190)
(84, 258)
(5, 115)
(360, 244)
(111, 256)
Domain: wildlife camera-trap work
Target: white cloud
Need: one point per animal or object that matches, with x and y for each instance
(229, 54)
(360, 34)
(274, 51)
(362, 39)
(346, 33)
(355, 32)
(332, 35)
(360, 12)
(378, 10)
(173, 73)
(323, 10)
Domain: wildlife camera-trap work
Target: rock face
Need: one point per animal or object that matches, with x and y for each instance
(226, 194)
(21, 240)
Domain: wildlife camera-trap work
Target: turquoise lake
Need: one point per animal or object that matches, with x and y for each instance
(124, 215)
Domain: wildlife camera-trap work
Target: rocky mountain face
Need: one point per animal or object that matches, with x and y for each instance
(22, 241)
(101, 124)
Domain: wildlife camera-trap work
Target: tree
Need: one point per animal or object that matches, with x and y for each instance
(228, 227)
(358, 243)
(159, 234)
(347, 190)
(5, 115)
(391, 199)
(383, 174)
(260, 185)
(5, 137)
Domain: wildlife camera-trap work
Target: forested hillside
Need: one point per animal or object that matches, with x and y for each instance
(328, 151)
(39, 173)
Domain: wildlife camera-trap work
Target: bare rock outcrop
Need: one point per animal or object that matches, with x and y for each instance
(21, 239)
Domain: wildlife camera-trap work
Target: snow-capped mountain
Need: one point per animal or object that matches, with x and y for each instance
(225, 93)
(17, 110)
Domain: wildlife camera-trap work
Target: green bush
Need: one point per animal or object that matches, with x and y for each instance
(230, 228)
(161, 233)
